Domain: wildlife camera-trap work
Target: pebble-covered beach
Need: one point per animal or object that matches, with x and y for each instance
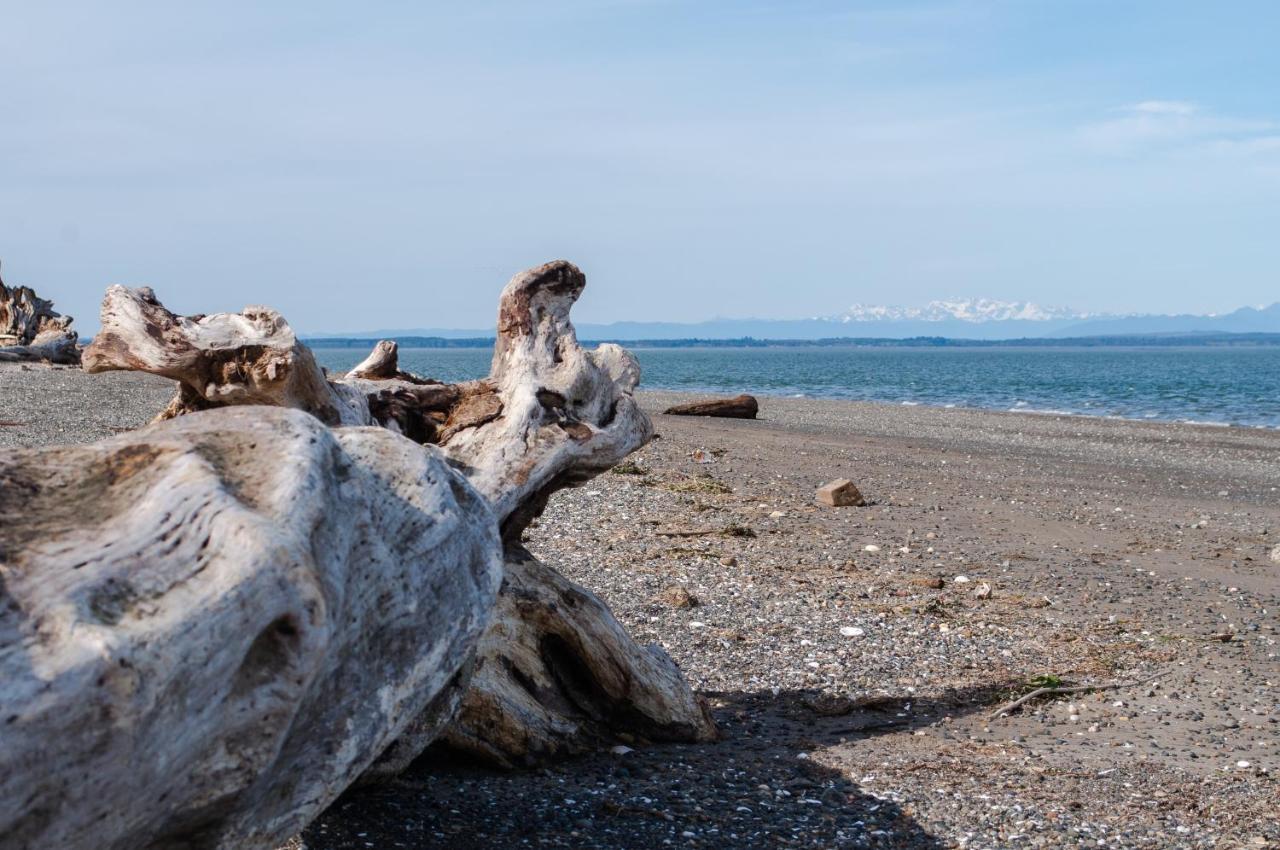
(855, 657)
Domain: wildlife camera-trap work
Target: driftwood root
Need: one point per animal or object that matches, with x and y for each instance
(558, 675)
(1062, 689)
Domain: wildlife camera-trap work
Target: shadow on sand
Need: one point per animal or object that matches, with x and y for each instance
(754, 788)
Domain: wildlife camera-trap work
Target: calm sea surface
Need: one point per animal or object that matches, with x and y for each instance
(1209, 385)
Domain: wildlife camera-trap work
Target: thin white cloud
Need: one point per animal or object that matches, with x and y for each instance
(1162, 125)
(1256, 146)
(1164, 107)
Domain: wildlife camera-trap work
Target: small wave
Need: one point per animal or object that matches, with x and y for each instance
(910, 403)
(1044, 411)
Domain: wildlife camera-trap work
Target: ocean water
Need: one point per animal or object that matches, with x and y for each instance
(1223, 386)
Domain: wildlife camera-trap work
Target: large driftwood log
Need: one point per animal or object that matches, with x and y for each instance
(32, 331)
(214, 625)
(210, 627)
(551, 414)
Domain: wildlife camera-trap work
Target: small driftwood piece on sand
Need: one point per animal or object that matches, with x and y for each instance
(31, 331)
(740, 407)
(211, 627)
(1058, 690)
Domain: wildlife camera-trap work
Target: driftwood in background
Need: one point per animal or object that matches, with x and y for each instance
(60, 348)
(247, 502)
(382, 363)
(32, 331)
(739, 407)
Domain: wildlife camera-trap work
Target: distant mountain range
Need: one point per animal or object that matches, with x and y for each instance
(976, 319)
(966, 310)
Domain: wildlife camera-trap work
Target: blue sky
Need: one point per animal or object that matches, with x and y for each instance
(392, 164)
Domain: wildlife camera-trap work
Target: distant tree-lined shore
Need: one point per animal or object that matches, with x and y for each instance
(1223, 340)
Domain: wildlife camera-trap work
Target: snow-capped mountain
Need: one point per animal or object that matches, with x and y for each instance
(977, 318)
(965, 310)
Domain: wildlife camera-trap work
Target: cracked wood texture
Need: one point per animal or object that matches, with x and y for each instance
(209, 628)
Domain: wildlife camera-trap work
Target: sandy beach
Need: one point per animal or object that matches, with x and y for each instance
(854, 656)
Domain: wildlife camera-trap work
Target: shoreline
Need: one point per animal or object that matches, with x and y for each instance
(692, 394)
(21, 386)
(654, 399)
(1232, 390)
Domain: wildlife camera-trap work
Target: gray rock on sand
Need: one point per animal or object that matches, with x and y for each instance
(1275, 554)
(840, 493)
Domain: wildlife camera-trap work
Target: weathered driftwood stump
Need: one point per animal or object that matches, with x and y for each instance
(739, 407)
(216, 624)
(31, 331)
